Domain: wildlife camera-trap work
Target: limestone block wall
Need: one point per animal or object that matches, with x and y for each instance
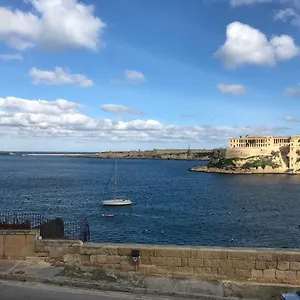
(17, 244)
(246, 152)
(239, 264)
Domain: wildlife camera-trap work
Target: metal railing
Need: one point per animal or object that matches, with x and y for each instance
(54, 228)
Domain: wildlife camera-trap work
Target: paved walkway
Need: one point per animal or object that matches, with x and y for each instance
(38, 291)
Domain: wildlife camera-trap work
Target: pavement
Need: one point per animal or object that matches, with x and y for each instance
(36, 291)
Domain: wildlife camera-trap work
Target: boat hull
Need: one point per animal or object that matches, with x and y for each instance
(116, 202)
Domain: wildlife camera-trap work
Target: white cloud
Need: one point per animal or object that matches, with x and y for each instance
(235, 3)
(59, 76)
(292, 92)
(25, 119)
(119, 109)
(247, 45)
(290, 119)
(134, 77)
(288, 14)
(236, 89)
(7, 57)
(52, 24)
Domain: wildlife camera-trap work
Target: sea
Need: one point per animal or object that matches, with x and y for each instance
(171, 205)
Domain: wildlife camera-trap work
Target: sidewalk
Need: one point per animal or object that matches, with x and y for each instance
(112, 280)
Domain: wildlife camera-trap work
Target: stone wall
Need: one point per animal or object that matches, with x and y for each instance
(247, 152)
(17, 244)
(239, 264)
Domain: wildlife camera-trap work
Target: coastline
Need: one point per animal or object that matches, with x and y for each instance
(206, 169)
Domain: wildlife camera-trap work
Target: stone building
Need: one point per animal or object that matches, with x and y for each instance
(288, 146)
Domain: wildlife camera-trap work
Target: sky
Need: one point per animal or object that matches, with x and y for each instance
(104, 75)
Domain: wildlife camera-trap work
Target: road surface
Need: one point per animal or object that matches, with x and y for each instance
(33, 291)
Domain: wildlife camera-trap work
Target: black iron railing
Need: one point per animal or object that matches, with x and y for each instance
(50, 228)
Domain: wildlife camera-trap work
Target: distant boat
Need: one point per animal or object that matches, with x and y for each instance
(108, 215)
(117, 201)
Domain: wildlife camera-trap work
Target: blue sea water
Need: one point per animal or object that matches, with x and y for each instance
(171, 204)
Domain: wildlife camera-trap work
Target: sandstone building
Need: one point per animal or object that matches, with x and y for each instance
(288, 147)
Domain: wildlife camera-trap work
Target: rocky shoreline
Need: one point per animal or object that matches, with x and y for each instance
(206, 169)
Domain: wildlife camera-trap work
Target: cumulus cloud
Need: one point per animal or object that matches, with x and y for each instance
(247, 45)
(58, 77)
(23, 118)
(236, 89)
(52, 24)
(235, 3)
(119, 109)
(292, 92)
(290, 119)
(134, 77)
(288, 15)
(7, 57)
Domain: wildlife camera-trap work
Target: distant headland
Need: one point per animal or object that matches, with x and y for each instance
(256, 155)
(167, 154)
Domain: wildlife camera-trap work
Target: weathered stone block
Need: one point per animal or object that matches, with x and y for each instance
(235, 263)
(125, 251)
(291, 276)
(217, 254)
(251, 256)
(279, 257)
(144, 260)
(269, 274)
(211, 263)
(280, 274)
(295, 266)
(257, 273)
(74, 249)
(224, 254)
(226, 271)
(159, 252)
(178, 262)
(244, 264)
(242, 273)
(183, 253)
(111, 250)
(170, 261)
(151, 269)
(184, 262)
(264, 256)
(158, 261)
(101, 259)
(85, 259)
(164, 270)
(260, 265)
(169, 252)
(293, 257)
(194, 262)
(207, 254)
(236, 255)
(93, 258)
(271, 265)
(226, 264)
(114, 259)
(283, 265)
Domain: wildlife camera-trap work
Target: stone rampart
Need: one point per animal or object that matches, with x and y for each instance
(247, 152)
(276, 266)
(234, 264)
(17, 244)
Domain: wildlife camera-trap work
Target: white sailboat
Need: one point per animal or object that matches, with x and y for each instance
(117, 201)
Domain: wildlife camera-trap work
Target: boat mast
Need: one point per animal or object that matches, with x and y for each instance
(115, 194)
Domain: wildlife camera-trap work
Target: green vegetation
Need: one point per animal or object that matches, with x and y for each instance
(223, 162)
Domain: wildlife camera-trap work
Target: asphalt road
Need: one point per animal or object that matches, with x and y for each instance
(33, 291)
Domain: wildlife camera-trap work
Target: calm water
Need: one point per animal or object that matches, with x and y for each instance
(171, 205)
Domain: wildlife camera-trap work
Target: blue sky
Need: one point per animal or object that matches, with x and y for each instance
(112, 74)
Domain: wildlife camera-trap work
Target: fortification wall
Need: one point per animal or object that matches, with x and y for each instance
(279, 266)
(246, 152)
(17, 244)
(236, 264)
